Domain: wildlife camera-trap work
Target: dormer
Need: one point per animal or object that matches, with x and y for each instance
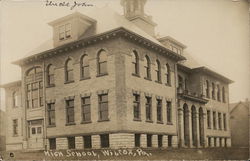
(172, 44)
(71, 28)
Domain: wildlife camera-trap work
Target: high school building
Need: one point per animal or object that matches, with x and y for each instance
(106, 81)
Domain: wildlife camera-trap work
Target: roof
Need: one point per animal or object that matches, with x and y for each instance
(111, 21)
(172, 40)
(233, 106)
(11, 84)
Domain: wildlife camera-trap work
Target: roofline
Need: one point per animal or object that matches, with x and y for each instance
(173, 40)
(98, 37)
(184, 68)
(244, 104)
(11, 84)
(213, 73)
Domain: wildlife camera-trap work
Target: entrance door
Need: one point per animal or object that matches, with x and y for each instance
(36, 134)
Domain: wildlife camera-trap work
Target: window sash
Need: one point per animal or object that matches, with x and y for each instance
(136, 105)
(85, 71)
(103, 67)
(169, 112)
(148, 109)
(103, 107)
(159, 110)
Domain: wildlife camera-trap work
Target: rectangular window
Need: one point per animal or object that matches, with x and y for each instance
(104, 140)
(103, 68)
(51, 114)
(149, 140)
(15, 127)
(65, 31)
(148, 109)
(136, 105)
(169, 140)
(209, 142)
(61, 32)
(33, 130)
(86, 112)
(169, 112)
(137, 140)
(71, 143)
(159, 141)
(208, 119)
(85, 71)
(39, 130)
(225, 121)
(87, 141)
(52, 143)
(215, 142)
(159, 110)
(70, 111)
(219, 120)
(214, 120)
(103, 107)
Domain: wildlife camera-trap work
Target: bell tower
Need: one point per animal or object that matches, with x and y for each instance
(134, 12)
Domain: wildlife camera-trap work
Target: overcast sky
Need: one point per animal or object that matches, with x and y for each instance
(216, 32)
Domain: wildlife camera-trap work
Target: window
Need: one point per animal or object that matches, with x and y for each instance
(84, 64)
(213, 91)
(15, 99)
(87, 141)
(207, 89)
(65, 31)
(180, 82)
(225, 142)
(103, 107)
(51, 114)
(159, 141)
(34, 88)
(168, 75)
(169, 112)
(33, 130)
(159, 110)
(135, 63)
(208, 119)
(148, 109)
(15, 127)
(69, 75)
(223, 95)
(220, 142)
(136, 105)
(104, 140)
(102, 62)
(86, 112)
(39, 130)
(52, 143)
(158, 71)
(149, 140)
(50, 75)
(214, 120)
(225, 121)
(137, 140)
(218, 93)
(209, 142)
(215, 142)
(169, 140)
(147, 68)
(219, 120)
(71, 143)
(70, 111)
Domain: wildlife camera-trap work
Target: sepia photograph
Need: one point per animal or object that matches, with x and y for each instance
(124, 80)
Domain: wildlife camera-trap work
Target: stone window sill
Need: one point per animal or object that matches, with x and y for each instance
(85, 78)
(137, 119)
(159, 122)
(51, 86)
(15, 135)
(169, 123)
(102, 74)
(50, 126)
(158, 82)
(69, 124)
(148, 78)
(169, 85)
(103, 120)
(67, 82)
(86, 122)
(136, 75)
(149, 121)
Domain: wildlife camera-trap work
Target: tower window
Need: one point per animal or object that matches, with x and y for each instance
(65, 31)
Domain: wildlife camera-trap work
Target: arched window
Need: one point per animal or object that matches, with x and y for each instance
(102, 62)
(15, 99)
(147, 67)
(223, 95)
(158, 71)
(213, 91)
(218, 93)
(135, 63)
(84, 64)
(168, 74)
(50, 75)
(207, 89)
(69, 76)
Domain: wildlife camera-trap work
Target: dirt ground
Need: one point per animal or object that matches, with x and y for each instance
(131, 154)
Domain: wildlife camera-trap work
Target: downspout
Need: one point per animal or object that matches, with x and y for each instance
(45, 108)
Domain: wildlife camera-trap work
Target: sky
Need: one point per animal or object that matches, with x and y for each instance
(216, 32)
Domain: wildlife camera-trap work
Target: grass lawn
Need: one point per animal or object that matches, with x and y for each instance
(133, 154)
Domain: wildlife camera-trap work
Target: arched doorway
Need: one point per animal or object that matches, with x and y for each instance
(194, 125)
(186, 124)
(201, 126)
